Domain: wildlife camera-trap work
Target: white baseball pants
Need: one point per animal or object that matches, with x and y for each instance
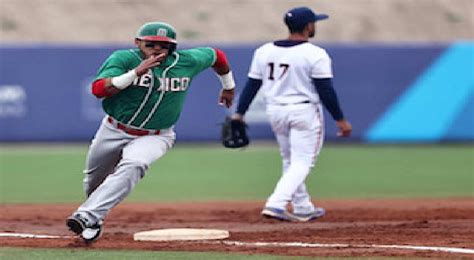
(299, 130)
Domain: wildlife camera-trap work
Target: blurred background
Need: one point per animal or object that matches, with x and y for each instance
(404, 69)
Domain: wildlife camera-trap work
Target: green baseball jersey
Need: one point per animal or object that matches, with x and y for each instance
(154, 100)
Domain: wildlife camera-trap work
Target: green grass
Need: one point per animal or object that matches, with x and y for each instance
(51, 174)
(51, 254)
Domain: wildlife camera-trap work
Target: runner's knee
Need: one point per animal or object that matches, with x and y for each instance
(132, 167)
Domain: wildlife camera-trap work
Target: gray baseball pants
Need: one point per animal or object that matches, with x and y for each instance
(116, 161)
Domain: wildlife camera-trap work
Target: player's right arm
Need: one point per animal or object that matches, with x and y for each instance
(109, 86)
(251, 88)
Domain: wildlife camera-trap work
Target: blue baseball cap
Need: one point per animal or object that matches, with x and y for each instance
(297, 18)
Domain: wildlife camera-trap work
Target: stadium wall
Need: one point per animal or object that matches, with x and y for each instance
(389, 92)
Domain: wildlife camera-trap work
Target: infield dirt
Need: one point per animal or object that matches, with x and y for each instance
(421, 222)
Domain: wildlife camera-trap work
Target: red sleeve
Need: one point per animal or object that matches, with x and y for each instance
(221, 59)
(98, 89)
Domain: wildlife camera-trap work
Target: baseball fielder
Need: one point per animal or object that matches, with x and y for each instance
(143, 92)
(295, 77)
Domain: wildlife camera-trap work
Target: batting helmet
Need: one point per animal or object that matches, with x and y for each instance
(157, 31)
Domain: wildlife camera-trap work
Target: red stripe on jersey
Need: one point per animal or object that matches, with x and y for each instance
(221, 59)
(320, 134)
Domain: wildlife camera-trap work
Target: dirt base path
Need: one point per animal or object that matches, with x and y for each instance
(432, 223)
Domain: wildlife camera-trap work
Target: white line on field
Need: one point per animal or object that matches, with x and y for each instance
(23, 235)
(287, 244)
(299, 244)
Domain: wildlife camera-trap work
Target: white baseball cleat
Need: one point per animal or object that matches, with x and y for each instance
(92, 234)
(279, 214)
(284, 215)
(79, 225)
(317, 213)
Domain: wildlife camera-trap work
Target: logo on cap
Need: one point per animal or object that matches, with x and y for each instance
(162, 32)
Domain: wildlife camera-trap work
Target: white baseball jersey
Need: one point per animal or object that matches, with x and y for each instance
(287, 72)
(295, 114)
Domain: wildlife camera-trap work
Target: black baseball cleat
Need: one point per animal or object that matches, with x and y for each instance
(78, 225)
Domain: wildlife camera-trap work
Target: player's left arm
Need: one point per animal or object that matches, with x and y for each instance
(248, 94)
(222, 68)
(328, 97)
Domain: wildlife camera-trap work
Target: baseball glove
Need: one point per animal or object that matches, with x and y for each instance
(234, 133)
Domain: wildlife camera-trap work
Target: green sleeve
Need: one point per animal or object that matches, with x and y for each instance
(204, 57)
(115, 65)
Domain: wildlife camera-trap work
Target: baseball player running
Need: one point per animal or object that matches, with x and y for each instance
(295, 77)
(143, 92)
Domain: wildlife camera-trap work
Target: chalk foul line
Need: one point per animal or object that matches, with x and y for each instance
(283, 244)
(25, 235)
(299, 244)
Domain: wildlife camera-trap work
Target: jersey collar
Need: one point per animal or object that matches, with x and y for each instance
(288, 43)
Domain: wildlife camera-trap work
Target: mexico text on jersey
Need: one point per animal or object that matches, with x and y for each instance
(154, 100)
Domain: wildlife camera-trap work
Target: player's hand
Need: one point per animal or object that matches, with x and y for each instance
(149, 63)
(345, 128)
(226, 97)
(237, 116)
